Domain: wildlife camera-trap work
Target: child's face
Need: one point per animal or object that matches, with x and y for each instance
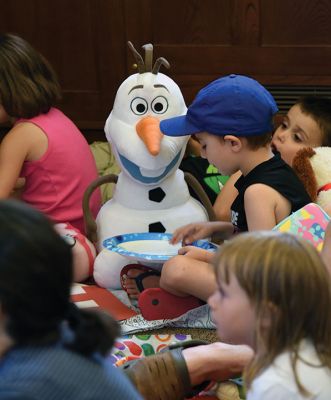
(233, 313)
(217, 152)
(297, 131)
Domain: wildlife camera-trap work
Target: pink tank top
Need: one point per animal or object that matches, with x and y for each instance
(55, 183)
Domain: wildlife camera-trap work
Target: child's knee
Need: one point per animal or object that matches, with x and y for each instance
(83, 259)
(83, 251)
(173, 272)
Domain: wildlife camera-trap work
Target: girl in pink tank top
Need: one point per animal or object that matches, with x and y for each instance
(44, 153)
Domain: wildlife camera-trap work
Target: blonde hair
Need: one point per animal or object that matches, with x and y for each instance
(284, 277)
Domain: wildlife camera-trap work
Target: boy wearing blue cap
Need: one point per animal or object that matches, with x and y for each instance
(232, 119)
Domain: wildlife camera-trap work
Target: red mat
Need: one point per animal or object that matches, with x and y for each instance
(92, 296)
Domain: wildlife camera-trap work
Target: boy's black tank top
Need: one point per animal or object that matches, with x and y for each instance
(276, 174)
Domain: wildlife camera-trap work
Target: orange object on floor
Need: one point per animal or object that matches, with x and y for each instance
(92, 296)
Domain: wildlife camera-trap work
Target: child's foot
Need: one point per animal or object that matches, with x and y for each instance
(137, 280)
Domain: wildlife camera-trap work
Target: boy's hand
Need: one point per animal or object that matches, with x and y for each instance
(191, 232)
(196, 253)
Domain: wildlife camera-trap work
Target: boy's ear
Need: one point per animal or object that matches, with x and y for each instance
(234, 141)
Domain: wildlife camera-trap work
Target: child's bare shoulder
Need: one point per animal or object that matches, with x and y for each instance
(262, 199)
(29, 138)
(27, 128)
(260, 192)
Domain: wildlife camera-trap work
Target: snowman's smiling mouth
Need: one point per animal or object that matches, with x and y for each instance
(137, 173)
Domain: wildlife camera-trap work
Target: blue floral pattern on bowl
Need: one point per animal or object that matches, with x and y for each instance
(118, 244)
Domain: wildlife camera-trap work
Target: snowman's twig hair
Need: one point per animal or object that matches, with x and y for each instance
(146, 66)
(139, 59)
(148, 56)
(160, 61)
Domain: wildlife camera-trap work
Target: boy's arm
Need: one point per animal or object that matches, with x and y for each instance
(197, 253)
(260, 205)
(199, 230)
(225, 198)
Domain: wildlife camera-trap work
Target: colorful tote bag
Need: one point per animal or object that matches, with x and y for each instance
(309, 223)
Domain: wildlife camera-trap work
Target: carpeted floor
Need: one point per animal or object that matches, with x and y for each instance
(208, 335)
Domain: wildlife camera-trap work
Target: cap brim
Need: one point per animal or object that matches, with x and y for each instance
(178, 126)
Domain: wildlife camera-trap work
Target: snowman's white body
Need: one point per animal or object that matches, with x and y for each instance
(151, 194)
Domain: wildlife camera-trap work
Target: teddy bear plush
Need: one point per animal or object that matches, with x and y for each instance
(313, 166)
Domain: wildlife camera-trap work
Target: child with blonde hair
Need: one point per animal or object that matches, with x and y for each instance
(273, 294)
(271, 307)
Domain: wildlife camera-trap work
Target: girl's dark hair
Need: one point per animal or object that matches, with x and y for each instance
(35, 281)
(28, 83)
(319, 109)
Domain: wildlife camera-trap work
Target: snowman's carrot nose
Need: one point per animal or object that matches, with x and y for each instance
(148, 129)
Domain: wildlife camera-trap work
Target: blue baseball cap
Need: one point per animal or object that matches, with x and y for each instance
(231, 105)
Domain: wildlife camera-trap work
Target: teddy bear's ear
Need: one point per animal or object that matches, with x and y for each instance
(302, 166)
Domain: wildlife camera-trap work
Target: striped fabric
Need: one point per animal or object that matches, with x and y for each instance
(54, 373)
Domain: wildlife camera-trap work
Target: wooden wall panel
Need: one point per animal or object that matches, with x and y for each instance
(84, 41)
(303, 23)
(278, 42)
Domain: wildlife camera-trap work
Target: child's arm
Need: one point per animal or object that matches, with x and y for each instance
(13, 152)
(200, 230)
(197, 253)
(216, 361)
(327, 209)
(20, 183)
(225, 198)
(326, 250)
(18, 188)
(261, 202)
(23, 142)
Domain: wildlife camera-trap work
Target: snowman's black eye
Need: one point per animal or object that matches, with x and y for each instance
(139, 106)
(160, 105)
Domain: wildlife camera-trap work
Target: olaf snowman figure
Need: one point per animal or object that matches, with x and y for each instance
(151, 194)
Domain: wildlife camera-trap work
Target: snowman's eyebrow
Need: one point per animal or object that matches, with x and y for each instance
(159, 86)
(136, 87)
